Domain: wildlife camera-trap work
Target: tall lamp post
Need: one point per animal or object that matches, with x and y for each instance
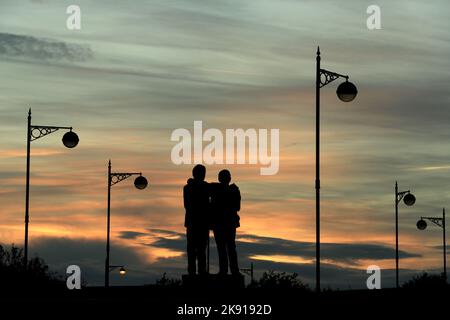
(113, 178)
(409, 199)
(346, 92)
(34, 132)
(440, 222)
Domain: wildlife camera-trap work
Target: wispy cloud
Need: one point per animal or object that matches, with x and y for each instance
(23, 46)
(260, 246)
(433, 168)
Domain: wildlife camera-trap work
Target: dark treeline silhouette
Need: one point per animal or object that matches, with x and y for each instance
(425, 282)
(13, 273)
(167, 282)
(279, 280)
(269, 280)
(272, 279)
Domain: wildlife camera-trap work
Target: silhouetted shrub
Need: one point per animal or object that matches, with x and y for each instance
(14, 274)
(279, 280)
(426, 281)
(168, 282)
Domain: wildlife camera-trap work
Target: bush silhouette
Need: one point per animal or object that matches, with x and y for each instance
(426, 281)
(279, 280)
(168, 282)
(14, 274)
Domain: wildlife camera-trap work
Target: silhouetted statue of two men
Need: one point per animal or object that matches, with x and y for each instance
(211, 206)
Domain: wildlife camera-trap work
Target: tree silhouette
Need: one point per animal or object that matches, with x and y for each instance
(168, 282)
(279, 280)
(13, 273)
(426, 281)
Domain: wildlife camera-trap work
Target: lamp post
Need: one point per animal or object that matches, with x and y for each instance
(409, 199)
(346, 92)
(249, 271)
(113, 178)
(440, 222)
(207, 253)
(34, 132)
(122, 270)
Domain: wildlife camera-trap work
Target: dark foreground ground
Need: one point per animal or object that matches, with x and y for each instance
(152, 302)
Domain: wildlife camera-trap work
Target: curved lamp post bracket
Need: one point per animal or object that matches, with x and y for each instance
(115, 178)
(112, 268)
(400, 195)
(437, 221)
(37, 132)
(327, 77)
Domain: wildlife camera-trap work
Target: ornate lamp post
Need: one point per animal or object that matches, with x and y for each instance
(409, 199)
(440, 222)
(113, 178)
(346, 92)
(34, 132)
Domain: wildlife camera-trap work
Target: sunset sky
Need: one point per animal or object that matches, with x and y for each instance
(137, 70)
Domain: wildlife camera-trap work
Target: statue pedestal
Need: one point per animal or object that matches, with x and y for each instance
(213, 282)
